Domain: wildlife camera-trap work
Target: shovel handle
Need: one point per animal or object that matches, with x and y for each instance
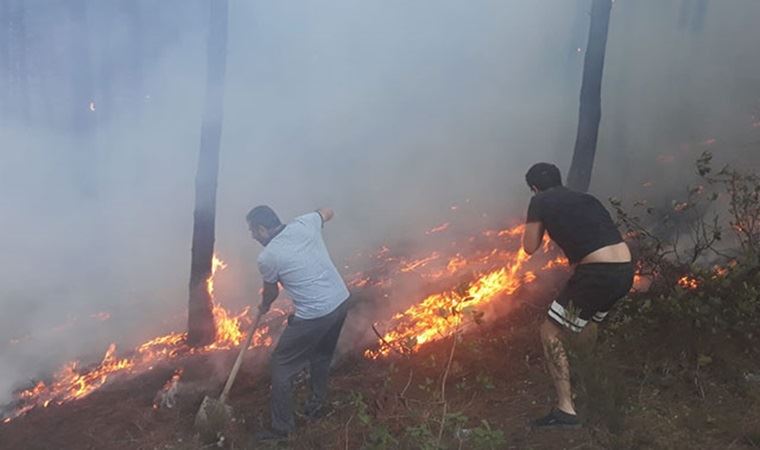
(239, 360)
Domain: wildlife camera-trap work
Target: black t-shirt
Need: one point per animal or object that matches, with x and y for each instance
(577, 222)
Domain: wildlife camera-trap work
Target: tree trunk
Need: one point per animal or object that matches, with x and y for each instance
(590, 112)
(15, 68)
(692, 15)
(83, 121)
(201, 329)
(82, 110)
(134, 57)
(5, 65)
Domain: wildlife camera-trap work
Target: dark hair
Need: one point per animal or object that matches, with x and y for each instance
(264, 216)
(544, 176)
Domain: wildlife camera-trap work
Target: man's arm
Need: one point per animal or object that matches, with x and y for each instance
(268, 296)
(532, 237)
(326, 214)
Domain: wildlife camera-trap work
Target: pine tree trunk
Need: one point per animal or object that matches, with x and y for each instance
(15, 76)
(5, 66)
(692, 15)
(201, 329)
(590, 113)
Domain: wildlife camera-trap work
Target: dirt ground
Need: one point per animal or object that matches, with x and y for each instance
(632, 393)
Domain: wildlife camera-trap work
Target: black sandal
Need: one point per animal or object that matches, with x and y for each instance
(557, 419)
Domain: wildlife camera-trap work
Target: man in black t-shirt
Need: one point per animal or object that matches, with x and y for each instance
(603, 273)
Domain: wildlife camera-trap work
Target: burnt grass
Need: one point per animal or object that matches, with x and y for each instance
(643, 385)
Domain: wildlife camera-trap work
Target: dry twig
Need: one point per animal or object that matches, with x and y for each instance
(443, 385)
(346, 429)
(386, 343)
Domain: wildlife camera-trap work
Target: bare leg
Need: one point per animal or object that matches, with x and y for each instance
(558, 365)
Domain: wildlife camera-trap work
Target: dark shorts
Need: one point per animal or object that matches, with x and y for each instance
(590, 293)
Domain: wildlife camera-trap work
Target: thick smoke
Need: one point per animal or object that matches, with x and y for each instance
(387, 111)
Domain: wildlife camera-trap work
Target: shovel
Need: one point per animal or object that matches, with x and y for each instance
(214, 414)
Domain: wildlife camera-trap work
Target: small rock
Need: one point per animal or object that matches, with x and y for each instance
(752, 377)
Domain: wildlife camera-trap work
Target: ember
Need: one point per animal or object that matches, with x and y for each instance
(166, 397)
(103, 316)
(438, 229)
(688, 282)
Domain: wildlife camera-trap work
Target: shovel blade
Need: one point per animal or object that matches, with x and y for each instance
(213, 416)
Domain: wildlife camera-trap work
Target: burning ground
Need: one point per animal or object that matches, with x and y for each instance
(441, 350)
(460, 346)
(493, 266)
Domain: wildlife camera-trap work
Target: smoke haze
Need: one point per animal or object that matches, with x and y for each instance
(388, 111)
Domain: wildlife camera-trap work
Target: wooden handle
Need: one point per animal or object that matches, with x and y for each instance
(239, 360)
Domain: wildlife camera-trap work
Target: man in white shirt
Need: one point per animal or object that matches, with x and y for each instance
(296, 257)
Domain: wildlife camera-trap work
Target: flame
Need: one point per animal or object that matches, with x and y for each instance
(73, 382)
(102, 316)
(720, 271)
(680, 206)
(456, 264)
(439, 315)
(492, 262)
(688, 282)
(216, 264)
(359, 281)
(708, 142)
(559, 261)
(166, 396)
(438, 229)
(513, 232)
(641, 283)
(418, 263)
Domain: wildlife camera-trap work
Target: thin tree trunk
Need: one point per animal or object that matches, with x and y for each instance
(590, 112)
(5, 56)
(135, 54)
(201, 329)
(82, 110)
(16, 70)
(692, 15)
(83, 86)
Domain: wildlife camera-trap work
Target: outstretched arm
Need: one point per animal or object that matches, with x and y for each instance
(326, 214)
(532, 237)
(268, 296)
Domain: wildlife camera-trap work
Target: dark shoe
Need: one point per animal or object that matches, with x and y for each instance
(557, 419)
(316, 412)
(270, 435)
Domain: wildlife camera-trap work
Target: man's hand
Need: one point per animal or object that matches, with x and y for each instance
(326, 214)
(532, 237)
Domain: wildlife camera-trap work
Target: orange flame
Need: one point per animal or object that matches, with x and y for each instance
(438, 229)
(439, 315)
(216, 264)
(498, 272)
(720, 271)
(72, 382)
(166, 396)
(418, 263)
(102, 316)
(559, 261)
(688, 282)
